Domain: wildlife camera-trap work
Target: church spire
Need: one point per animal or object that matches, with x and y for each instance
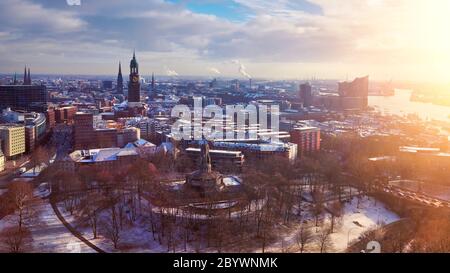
(29, 77)
(25, 77)
(120, 80)
(134, 66)
(153, 82)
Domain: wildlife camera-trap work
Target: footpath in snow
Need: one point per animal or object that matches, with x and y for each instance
(49, 235)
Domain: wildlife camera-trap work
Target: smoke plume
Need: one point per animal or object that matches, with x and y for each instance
(242, 69)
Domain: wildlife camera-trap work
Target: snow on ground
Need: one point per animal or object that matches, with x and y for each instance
(50, 235)
(134, 238)
(356, 221)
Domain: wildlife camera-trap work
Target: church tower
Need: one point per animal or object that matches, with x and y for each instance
(119, 87)
(134, 85)
(26, 76)
(153, 87)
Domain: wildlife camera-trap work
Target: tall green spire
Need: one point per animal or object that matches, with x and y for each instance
(134, 66)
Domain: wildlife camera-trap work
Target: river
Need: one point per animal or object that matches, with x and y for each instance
(400, 104)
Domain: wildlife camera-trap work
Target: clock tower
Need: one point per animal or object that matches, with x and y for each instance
(134, 85)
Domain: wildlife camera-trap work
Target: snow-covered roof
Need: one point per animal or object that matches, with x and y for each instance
(100, 155)
(140, 143)
(165, 147)
(273, 146)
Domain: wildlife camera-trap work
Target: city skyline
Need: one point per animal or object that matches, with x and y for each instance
(284, 40)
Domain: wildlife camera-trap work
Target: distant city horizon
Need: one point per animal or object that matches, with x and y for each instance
(219, 77)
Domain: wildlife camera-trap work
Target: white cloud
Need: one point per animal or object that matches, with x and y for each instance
(20, 14)
(372, 36)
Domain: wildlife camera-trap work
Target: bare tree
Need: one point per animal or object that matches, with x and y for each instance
(323, 240)
(318, 206)
(304, 237)
(111, 228)
(111, 225)
(40, 156)
(20, 193)
(336, 212)
(90, 208)
(15, 239)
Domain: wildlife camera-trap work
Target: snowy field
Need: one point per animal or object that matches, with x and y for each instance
(370, 214)
(355, 221)
(135, 238)
(50, 235)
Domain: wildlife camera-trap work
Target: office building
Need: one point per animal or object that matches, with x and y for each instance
(30, 138)
(84, 136)
(65, 114)
(24, 97)
(13, 139)
(307, 139)
(105, 138)
(306, 94)
(262, 150)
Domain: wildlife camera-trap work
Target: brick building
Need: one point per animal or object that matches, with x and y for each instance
(306, 138)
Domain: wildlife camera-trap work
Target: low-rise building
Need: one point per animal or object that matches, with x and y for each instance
(127, 135)
(260, 150)
(105, 138)
(219, 158)
(65, 114)
(106, 159)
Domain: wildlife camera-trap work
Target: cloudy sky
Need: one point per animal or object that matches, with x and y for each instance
(388, 39)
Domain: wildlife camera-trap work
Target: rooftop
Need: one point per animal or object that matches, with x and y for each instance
(101, 155)
(215, 151)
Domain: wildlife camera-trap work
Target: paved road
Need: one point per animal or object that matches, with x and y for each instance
(51, 236)
(74, 231)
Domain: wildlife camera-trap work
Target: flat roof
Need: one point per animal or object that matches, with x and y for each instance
(307, 128)
(215, 151)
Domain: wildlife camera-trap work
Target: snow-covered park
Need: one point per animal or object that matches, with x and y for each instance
(48, 234)
(357, 218)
